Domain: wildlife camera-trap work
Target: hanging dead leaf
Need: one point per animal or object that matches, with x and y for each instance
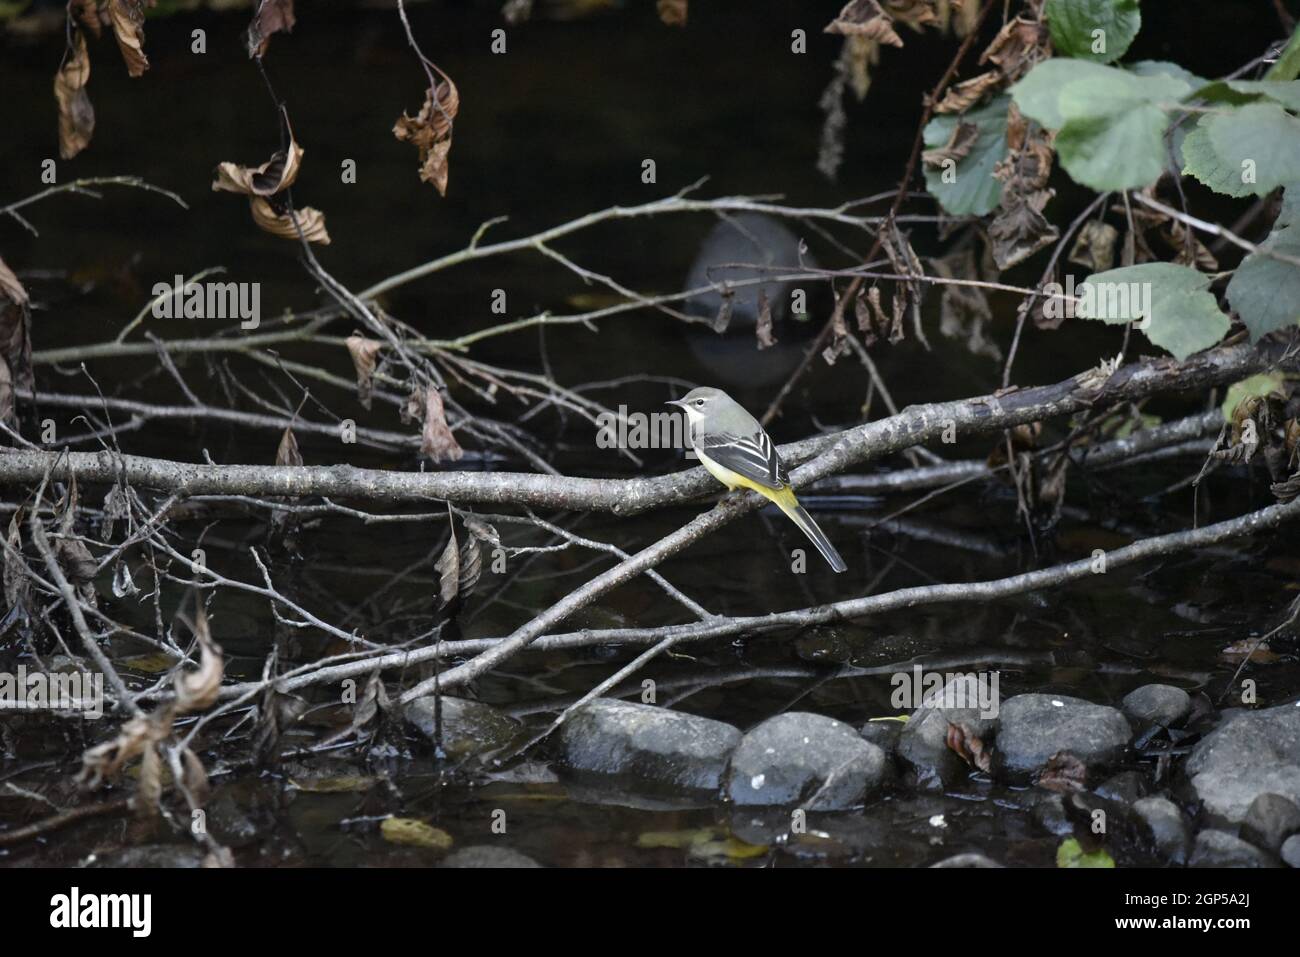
(482, 531)
(968, 746)
(105, 760)
(672, 12)
(1017, 47)
(964, 311)
(275, 175)
(430, 130)
(962, 96)
(271, 17)
(917, 14)
(437, 440)
(15, 344)
(194, 777)
(471, 566)
(865, 18)
(723, 318)
(16, 584)
(448, 568)
(280, 223)
(76, 114)
(127, 20)
(1063, 773)
(365, 355)
(1094, 247)
(1020, 229)
(288, 453)
(764, 328)
(198, 690)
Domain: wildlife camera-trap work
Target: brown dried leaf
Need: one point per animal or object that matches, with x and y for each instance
(288, 453)
(764, 328)
(430, 130)
(1094, 247)
(962, 96)
(448, 569)
(15, 344)
(275, 175)
(968, 746)
(16, 586)
(437, 440)
(194, 777)
(1063, 773)
(1017, 47)
(271, 16)
(865, 18)
(198, 690)
(105, 760)
(723, 318)
(127, 19)
(1020, 229)
(471, 566)
(365, 354)
(482, 530)
(915, 13)
(672, 12)
(964, 310)
(281, 224)
(76, 114)
(958, 147)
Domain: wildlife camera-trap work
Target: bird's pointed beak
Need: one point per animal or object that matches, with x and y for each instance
(680, 403)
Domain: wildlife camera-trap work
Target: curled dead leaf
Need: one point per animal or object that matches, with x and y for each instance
(968, 746)
(282, 224)
(105, 760)
(127, 20)
(448, 568)
(15, 344)
(764, 328)
(865, 18)
(430, 130)
(198, 690)
(270, 17)
(275, 175)
(958, 147)
(288, 453)
(1017, 47)
(365, 355)
(437, 440)
(1094, 247)
(1063, 773)
(962, 96)
(76, 114)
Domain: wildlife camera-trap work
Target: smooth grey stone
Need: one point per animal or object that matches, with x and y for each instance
(1127, 787)
(1158, 704)
(485, 855)
(800, 758)
(923, 743)
(1291, 850)
(1269, 821)
(648, 746)
(883, 734)
(1169, 831)
(1221, 849)
(468, 727)
(1249, 754)
(1049, 812)
(967, 860)
(1034, 727)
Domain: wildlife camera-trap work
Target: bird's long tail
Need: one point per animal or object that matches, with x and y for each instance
(800, 517)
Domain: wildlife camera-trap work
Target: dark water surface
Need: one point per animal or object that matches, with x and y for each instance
(556, 128)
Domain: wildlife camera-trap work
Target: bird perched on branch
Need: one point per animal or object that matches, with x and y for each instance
(736, 450)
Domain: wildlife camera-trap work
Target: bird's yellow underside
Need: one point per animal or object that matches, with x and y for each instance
(734, 480)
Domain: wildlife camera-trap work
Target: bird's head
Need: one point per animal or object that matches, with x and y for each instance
(698, 402)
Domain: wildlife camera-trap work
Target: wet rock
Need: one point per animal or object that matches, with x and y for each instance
(1049, 812)
(229, 823)
(923, 743)
(798, 757)
(486, 855)
(664, 751)
(1033, 727)
(1249, 754)
(1291, 850)
(1168, 829)
(1127, 787)
(468, 727)
(1269, 821)
(967, 860)
(1158, 704)
(883, 734)
(1221, 849)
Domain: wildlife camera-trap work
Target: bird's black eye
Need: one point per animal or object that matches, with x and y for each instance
(699, 403)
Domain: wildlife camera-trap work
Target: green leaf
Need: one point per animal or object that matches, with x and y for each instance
(1265, 292)
(1100, 30)
(1261, 385)
(1071, 854)
(1173, 303)
(1038, 95)
(1259, 142)
(1290, 211)
(1111, 122)
(1165, 68)
(973, 191)
(1202, 162)
(1287, 66)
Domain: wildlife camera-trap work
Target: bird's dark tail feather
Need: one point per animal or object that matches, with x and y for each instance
(805, 522)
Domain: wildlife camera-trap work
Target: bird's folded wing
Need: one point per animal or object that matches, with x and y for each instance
(753, 456)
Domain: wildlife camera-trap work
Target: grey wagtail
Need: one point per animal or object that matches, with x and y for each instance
(737, 452)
